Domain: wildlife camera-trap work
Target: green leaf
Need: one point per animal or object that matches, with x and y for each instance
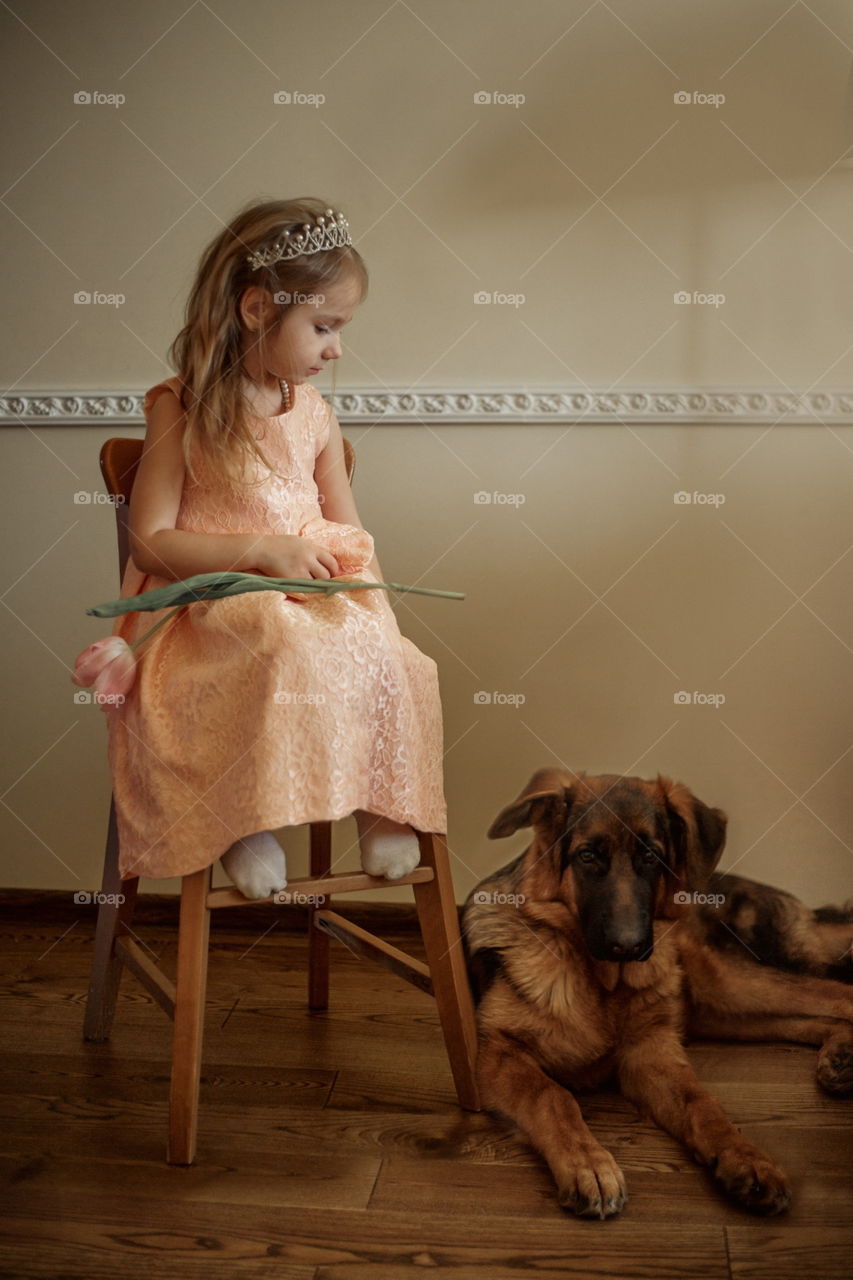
(216, 586)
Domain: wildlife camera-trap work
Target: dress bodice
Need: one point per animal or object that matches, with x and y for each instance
(278, 501)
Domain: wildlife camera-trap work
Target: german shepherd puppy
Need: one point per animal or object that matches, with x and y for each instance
(595, 952)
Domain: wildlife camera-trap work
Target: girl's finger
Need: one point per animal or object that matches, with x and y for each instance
(329, 562)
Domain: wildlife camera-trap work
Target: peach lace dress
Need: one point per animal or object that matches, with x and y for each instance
(261, 711)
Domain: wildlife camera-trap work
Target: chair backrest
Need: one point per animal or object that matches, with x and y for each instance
(119, 459)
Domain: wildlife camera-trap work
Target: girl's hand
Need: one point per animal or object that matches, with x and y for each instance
(286, 555)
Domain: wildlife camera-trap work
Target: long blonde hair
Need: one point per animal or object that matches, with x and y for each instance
(207, 353)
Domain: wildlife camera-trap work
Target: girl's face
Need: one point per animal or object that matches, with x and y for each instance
(308, 336)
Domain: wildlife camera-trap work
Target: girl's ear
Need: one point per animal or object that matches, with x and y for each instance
(256, 307)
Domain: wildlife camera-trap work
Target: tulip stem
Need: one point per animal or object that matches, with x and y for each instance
(157, 626)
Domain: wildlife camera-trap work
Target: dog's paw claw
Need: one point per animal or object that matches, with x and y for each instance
(595, 1189)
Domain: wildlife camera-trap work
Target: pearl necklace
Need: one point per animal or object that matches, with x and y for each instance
(285, 395)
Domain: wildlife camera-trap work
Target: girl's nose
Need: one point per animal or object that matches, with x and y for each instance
(332, 350)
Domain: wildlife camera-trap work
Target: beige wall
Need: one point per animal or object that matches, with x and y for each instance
(749, 599)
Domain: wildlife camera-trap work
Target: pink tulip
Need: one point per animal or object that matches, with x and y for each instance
(109, 665)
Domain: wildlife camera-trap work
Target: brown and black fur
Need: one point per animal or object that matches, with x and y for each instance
(587, 964)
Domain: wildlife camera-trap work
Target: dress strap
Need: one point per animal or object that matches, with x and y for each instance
(168, 384)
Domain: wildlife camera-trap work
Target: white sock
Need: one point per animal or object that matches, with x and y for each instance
(388, 848)
(256, 864)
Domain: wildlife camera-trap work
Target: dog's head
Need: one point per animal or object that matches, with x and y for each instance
(618, 852)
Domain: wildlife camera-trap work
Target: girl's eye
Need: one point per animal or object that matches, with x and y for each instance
(321, 328)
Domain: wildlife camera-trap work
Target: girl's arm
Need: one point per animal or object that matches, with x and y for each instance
(157, 547)
(336, 498)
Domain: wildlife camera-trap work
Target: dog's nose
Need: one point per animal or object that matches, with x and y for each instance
(623, 952)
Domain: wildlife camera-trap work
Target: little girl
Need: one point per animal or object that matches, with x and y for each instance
(261, 710)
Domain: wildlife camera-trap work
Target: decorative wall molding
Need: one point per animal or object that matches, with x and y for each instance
(450, 407)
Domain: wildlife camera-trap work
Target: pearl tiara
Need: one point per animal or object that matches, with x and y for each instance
(330, 231)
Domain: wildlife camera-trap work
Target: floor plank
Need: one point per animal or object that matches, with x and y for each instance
(330, 1143)
(774, 1253)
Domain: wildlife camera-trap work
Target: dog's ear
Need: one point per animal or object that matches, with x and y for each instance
(697, 833)
(545, 801)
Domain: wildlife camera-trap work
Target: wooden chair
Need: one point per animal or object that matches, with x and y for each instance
(444, 975)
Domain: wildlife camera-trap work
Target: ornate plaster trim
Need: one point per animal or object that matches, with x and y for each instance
(458, 406)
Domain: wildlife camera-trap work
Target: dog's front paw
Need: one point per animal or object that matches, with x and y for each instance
(835, 1065)
(594, 1187)
(750, 1178)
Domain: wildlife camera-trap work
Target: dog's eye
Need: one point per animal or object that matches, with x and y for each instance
(585, 855)
(648, 855)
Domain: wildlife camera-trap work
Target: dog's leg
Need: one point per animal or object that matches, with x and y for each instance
(589, 1181)
(737, 999)
(655, 1074)
(726, 984)
(834, 1062)
(778, 930)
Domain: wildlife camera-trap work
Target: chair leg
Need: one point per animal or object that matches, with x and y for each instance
(439, 921)
(191, 987)
(318, 942)
(115, 912)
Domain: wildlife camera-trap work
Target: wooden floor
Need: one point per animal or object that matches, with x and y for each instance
(330, 1145)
